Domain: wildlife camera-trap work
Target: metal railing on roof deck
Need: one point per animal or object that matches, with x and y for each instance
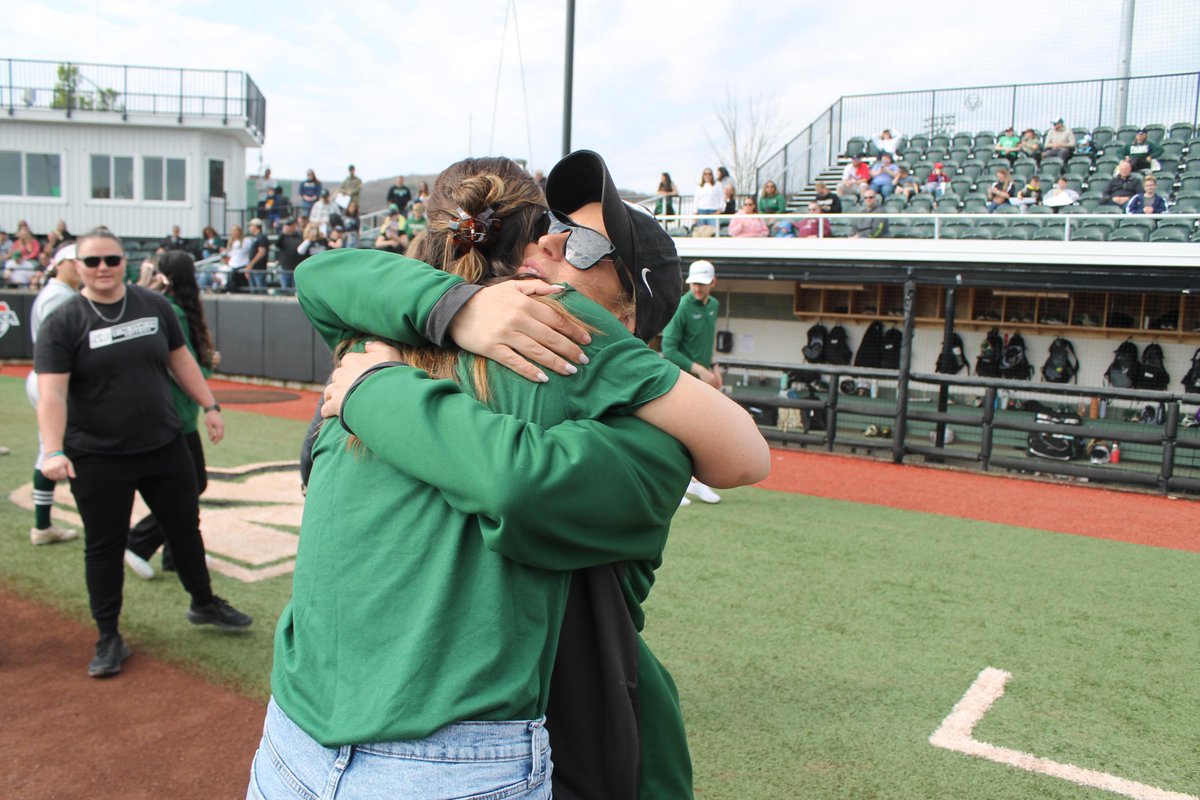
(227, 95)
(1164, 99)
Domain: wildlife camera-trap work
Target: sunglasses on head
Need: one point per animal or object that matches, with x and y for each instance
(584, 247)
(109, 261)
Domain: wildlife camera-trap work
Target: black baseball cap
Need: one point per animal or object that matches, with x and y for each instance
(651, 270)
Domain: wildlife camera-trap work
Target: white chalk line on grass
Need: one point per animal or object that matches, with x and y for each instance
(956, 729)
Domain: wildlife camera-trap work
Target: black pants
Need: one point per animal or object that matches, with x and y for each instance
(104, 486)
(147, 536)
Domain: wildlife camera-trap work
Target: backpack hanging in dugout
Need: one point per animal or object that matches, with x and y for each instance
(1153, 373)
(1013, 363)
(870, 349)
(957, 358)
(814, 351)
(1062, 366)
(1124, 370)
(837, 346)
(1191, 381)
(987, 365)
(893, 340)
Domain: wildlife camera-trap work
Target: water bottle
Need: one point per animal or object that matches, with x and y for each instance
(1115, 454)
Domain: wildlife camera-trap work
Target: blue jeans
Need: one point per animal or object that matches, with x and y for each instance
(285, 280)
(485, 760)
(258, 279)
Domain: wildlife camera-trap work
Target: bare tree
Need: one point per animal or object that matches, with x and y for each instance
(751, 127)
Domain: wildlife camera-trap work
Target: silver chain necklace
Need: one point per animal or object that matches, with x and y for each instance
(119, 315)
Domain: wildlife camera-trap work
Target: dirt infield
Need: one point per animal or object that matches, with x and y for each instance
(156, 731)
(152, 732)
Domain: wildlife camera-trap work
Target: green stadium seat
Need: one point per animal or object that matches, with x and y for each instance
(1091, 203)
(1125, 133)
(1185, 225)
(1089, 234)
(961, 185)
(1109, 208)
(1102, 135)
(1181, 132)
(1028, 225)
(981, 232)
(895, 204)
(921, 230)
(974, 205)
(954, 233)
(959, 154)
(1169, 235)
(1039, 210)
(921, 172)
(939, 142)
(1168, 168)
(1079, 165)
(963, 140)
(918, 142)
(1129, 235)
(949, 203)
(1080, 133)
(994, 164)
(1053, 233)
(1189, 185)
(971, 171)
(856, 146)
(1021, 233)
(1023, 170)
(1108, 224)
(1128, 221)
(920, 203)
(985, 140)
(1007, 208)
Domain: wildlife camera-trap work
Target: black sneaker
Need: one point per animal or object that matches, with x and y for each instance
(111, 652)
(219, 613)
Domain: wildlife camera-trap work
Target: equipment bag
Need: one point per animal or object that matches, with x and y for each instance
(893, 340)
(814, 351)
(1153, 374)
(1124, 370)
(1062, 366)
(837, 346)
(1013, 363)
(957, 360)
(870, 349)
(987, 365)
(1056, 446)
(1191, 381)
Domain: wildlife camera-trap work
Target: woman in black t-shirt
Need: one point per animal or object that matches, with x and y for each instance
(108, 424)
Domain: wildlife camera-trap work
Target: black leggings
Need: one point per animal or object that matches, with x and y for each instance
(104, 486)
(147, 536)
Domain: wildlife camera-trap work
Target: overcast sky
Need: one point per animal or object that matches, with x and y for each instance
(403, 87)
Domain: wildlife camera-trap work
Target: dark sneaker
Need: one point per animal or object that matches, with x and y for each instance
(111, 652)
(219, 613)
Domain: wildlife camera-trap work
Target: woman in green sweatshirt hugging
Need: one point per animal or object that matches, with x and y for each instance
(447, 544)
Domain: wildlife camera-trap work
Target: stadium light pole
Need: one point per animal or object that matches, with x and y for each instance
(568, 77)
(1124, 64)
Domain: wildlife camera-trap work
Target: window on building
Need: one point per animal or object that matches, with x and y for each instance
(112, 177)
(30, 174)
(164, 178)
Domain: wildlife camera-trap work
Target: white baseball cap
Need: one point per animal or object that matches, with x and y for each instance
(63, 253)
(701, 272)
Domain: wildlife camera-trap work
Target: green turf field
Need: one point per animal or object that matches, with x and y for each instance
(817, 644)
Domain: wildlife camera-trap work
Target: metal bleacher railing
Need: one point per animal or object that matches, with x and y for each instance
(1111, 101)
(71, 87)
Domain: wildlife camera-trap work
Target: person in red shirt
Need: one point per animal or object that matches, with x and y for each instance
(808, 227)
(936, 183)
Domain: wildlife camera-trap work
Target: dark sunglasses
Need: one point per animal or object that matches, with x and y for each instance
(584, 247)
(109, 261)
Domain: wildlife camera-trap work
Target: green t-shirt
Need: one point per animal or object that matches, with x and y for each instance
(410, 608)
(772, 204)
(690, 335)
(187, 408)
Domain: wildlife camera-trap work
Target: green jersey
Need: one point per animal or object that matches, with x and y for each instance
(691, 333)
(406, 615)
(187, 408)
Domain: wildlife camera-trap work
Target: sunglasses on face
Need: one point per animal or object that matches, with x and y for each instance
(109, 261)
(584, 247)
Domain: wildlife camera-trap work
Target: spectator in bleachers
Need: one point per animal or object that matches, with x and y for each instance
(351, 187)
(709, 199)
(322, 212)
(1000, 192)
(287, 252)
(1142, 154)
(61, 233)
(770, 201)
(1059, 142)
(393, 232)
(938, 180)
(27, 243)
(314, 241)
(53, 241)
(230, 276)
(1061, 195)
(728, 190)
(259, 249)
(1007, 145)
(829, 202)
(6, 245)
(812, 227)
(265, 182)
(883, 175)
(310, 193)
(172, 242)
(336, 238)
(906, 184)
(422, 195)
(666, 193)
(417, 221)
(210, 243)
(273, 209)
(1031, 144)
(744, 226)
(1030, 194)
(1123, 186)
(350, 224)
(400, 196)
(855, 177)
(19, 270)
(886, 143)
(1148, 201)
(873, 227)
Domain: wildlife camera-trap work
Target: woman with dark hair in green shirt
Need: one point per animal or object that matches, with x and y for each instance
(417, 611)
